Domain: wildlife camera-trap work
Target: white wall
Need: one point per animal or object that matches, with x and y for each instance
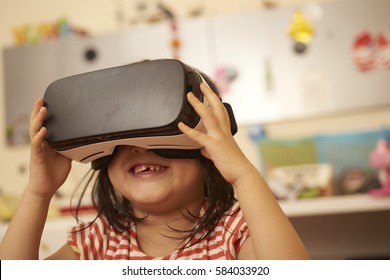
(99, 16)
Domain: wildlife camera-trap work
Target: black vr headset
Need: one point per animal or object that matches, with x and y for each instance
(139, 104)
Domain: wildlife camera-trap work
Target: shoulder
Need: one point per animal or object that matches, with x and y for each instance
(89, 237)
(232, 231)
(234, 219)
(99, 240)
(98, 225)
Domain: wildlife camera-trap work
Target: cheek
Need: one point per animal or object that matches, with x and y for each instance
(115, 167)
(189, 174)
(113, 173)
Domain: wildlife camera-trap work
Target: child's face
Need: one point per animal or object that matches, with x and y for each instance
(155, 184)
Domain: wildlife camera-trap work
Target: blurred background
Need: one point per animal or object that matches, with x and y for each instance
(308, 80)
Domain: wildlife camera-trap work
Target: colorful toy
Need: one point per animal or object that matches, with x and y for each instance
(301, 31)
(370, 51)
(33, 34)
(380, 158)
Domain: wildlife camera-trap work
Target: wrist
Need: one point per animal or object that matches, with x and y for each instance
(247, 172)
(37, 196)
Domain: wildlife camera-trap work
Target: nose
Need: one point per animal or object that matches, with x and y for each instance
(137, 150)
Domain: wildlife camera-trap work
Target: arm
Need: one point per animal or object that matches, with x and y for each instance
(48, 171)
(272, 235)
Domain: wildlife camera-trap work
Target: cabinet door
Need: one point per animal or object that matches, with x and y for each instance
(275, 83)
(243, 45)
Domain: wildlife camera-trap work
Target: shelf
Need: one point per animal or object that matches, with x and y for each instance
(342, 204)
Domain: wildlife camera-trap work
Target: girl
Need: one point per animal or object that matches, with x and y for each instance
(150, 207)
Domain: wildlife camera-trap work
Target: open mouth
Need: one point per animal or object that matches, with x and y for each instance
(147, 168)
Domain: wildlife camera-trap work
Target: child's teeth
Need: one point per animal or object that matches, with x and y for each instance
(142, 168)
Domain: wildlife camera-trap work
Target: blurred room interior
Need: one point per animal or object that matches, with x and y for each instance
(309, 82)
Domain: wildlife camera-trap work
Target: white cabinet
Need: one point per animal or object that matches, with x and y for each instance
(274, 83)
(333, 205)
(343, 227)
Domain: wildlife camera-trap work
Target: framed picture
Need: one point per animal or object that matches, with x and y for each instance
(301, 181)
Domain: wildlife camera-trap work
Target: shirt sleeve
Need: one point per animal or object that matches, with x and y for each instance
(88, 240)
(243, 232)
(237, 229)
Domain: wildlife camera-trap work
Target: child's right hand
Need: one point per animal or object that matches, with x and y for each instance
(48, 169)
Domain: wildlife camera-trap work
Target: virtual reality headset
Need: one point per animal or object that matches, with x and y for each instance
(138, 104)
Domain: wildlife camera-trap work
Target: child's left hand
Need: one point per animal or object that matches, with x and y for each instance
(271, 234)
(218, 143)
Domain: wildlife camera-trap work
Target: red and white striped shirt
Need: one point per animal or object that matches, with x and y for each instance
(100, 241)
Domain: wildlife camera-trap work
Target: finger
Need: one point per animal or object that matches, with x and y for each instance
(208, 92)
(204, 111)
(37, 122)
(37, 106)
(37, 142)
(213, 100)
(193, 134)
(39, 137)
(217, 107)
(200, 107)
